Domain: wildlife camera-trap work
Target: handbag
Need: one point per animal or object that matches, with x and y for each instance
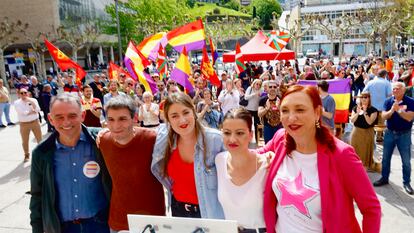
(243, 102)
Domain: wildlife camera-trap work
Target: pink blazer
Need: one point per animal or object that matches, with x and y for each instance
(342, 179)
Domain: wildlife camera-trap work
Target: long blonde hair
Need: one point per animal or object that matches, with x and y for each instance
(183, 99)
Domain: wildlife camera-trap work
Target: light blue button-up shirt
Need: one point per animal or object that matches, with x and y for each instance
(205, 178)
(78, 183)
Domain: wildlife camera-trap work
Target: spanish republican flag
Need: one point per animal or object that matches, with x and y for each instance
(340, 90)
(149, 46)
(135, 63)
(162, 65)
(207, 69)
(214, 53)
(240, 67)
(191, 35)
(182, 71)
(114, 71)
(64, 62)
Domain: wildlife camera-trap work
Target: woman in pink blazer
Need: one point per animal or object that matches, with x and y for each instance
(315, 178)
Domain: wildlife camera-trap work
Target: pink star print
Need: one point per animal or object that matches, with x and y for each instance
(294, 193)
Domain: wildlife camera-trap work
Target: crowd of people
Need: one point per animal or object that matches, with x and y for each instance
(195, 145)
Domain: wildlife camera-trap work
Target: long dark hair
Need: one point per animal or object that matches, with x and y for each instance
(183, 99)
(322, 135)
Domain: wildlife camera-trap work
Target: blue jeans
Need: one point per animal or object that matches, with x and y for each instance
(403, 142)
(90, 225)
(269, 132)
(5, 108)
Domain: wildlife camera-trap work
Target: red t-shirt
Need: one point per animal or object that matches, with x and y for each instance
(183, 180)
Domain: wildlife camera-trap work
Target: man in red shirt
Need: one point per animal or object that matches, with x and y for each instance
(127, 151)
(92, 107)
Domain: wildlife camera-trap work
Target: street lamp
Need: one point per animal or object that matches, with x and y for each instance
(119, 33)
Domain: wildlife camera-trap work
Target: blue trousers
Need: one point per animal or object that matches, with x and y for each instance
(401, 139)
(5, 108)
(90, 225)
(269, 132)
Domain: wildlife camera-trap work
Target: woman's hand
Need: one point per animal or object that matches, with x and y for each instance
(100, 135)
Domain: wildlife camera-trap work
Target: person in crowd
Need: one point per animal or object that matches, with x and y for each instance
(139, 92)
(92, 107)
(70, 185)
(310, 186)
(379, 89)
(134, 189)
(24, 83)
(113, 86)
(252, 95)
(35, 91)
(399, 113)
(70, 86)
(97, 87)
(208, 111)
(53, 84)
(128, 87)
(269, 111)
(328, 105)
(241, 173)
(184, 160)
(197, 93)
(222, 82)
(149, 112)
(162, 92)
(46, 98)
(27, 109)
(238, 86)
(362, 137)
(229, 98)
(4, 105)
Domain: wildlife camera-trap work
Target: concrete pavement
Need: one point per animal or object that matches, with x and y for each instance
(397, 206)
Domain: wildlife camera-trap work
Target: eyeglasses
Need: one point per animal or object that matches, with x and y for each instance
(23, 92)
(364, 97)
(130, 84)
(273, 87)
(160, 86)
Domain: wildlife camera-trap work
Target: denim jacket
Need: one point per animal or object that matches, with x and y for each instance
(205, 178)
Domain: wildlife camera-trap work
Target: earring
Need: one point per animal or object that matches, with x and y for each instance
(317, 124)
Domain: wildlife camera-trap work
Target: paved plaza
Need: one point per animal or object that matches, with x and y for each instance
(397, 206)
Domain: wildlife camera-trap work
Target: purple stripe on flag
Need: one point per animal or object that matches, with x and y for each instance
(130, 67)
(151, 83)
(182, 78)
(198, 45)
(336, 86)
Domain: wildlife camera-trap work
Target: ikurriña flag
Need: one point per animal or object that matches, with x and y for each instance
(208, 71)
(278, 39)
(340, 90)
(162, 64)
(240, 67)
(182, 71)
(136, 63)
(64, 62)
(191, 35)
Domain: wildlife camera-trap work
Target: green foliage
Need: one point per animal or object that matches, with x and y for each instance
(139, 19)
(216, 11)
(204, 10)
(233, 4)
(264, 9)
(190, 3)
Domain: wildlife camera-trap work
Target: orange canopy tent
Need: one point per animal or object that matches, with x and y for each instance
(256, 50)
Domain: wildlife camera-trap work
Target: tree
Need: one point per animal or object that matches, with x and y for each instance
(139, 19)
(264, 9)
(233, 4)
(8, 36)
(296, 31)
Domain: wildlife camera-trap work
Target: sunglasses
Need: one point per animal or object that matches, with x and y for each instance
(160, 86)
(364, 97)
(130, 84)
(23, 92)
(273, 87)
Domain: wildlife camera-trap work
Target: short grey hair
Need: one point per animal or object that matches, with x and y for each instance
(66, 98)
(121, 102)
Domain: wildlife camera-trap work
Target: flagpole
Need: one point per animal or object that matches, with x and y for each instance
(119, 34)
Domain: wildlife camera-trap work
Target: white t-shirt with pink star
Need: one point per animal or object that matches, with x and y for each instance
(296, 187)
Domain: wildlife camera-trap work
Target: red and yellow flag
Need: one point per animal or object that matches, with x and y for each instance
(207, 69)
(115, 71)
(64, 62)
